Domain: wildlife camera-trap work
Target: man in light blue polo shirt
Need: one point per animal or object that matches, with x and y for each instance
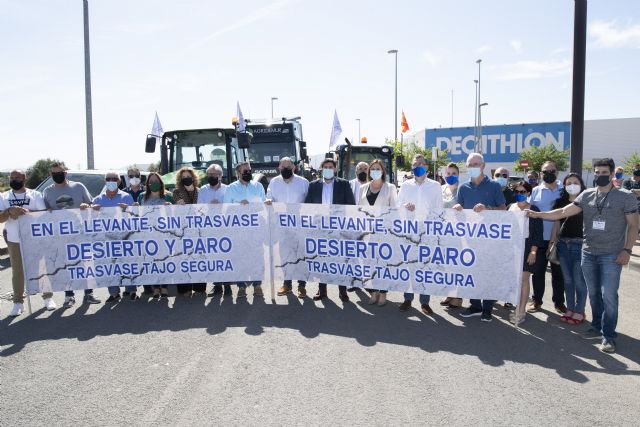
(479, 193)
(244, 191)
(544, 197)
(113, 197)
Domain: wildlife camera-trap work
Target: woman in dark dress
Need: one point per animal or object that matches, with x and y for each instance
(522, 191)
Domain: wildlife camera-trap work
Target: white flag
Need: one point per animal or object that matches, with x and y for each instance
(336, 131)
(240, 119)
(157, 127)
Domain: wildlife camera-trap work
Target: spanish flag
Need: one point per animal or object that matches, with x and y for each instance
(404, 124)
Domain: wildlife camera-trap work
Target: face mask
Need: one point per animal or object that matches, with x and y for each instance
(212, 180)
(327, 173)
(154, 187)
(521, 197)
(58, 177)
(15, 184)
(619, 175)
(247, 176)
(419, 171)
(134, 181)
(602, 180)
(502, 181)
(362, 176)
(286, 173)
(573, 189)
(473, 172)
(533, 181)
(636, 172)
(451, 180)
(549, 178)
(187, 181)
(376, 174)
(112, 186)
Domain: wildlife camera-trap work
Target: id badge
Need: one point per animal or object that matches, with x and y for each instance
(598, 224)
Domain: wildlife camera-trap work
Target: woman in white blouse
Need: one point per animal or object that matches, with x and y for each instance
(378, 192)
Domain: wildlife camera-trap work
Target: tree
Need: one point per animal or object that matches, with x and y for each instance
(536, 156)
(39, 171)
(630, 162)
(409, 149)
(154, 167)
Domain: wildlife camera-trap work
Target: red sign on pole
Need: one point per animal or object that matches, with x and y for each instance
(524, 164)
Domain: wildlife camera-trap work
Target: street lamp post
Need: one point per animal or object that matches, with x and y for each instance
(273, 98)
(395, 129)
(359, 137)
(475, 115)
(479, 143)
(478, 103)
(87, 86)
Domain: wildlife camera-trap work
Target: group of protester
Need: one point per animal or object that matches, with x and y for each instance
(591, 230)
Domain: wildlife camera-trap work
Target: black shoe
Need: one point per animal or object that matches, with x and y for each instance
(133, 296)
(486, 316)
(126, 293)
(509, 306)
(90, 299)
(227, 291)
(217, 290)
(113, 298)
(471, 312)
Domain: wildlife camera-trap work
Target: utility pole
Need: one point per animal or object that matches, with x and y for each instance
(87, 87)
(577, 98)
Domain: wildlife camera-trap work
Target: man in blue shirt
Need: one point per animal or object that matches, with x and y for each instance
(544, 197)
(244, 191)
(113, 197)
(479, 193)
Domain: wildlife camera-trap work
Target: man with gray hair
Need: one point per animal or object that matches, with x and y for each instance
(479, 193)
(288, 188)
(213, 192)
(13, 204)
(362, 170)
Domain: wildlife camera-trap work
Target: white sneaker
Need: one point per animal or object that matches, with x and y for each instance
(17, 310)
(50, 304)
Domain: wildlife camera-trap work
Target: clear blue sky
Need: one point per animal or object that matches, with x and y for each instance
(191, 61)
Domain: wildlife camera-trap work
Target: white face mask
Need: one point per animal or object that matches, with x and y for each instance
(573, 189)
(111, 186)
(473, 172)
(327, 173)
(134, 181)
(376, 174)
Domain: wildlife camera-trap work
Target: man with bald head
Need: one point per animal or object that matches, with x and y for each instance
(501, 176)
(13, 204)
(362, 171)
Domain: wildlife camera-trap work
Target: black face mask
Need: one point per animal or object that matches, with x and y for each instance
(186, 181)
(602, 180)
(213, 180)
(549, 178)
(286, 173)
(636, 172)
(58, 177)
(247, 176)
(362, 176)
(15, 184)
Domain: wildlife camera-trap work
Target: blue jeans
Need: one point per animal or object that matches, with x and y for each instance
(485, 305)
(602, 275)
(115, 290)
(424, 299)
(575, 288)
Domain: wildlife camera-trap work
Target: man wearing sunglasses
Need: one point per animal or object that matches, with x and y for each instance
(135, 188)
(501, 176)
(544, 197)
(113, 197)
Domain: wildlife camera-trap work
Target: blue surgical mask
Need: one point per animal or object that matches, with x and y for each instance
(619, 175)
(327, 173)
(474, 172)
(521, 197)
(451, 180)
(375, 174)
(533, 181)
(502, 181)
(419, 171)
(111, 186)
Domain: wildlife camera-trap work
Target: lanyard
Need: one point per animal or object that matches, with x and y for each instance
(19, 202)
(600, 206)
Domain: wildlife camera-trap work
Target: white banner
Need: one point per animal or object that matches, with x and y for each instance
(457, 254)
(449, 253)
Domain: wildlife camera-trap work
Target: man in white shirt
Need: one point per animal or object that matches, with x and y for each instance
(288, 188)
(362, 171)
(419, 193)
(13, 204)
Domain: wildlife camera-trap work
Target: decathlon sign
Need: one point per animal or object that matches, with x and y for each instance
(499, 143)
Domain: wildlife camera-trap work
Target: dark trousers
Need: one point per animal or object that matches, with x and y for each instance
(322, 288)
(486, 305)
(188, 287)
(289, 283)
(557, 281)
(71, 293)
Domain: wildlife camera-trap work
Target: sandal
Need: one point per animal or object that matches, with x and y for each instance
(576, 319)
(565, 317)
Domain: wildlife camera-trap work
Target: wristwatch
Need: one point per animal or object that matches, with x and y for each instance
(627, 250)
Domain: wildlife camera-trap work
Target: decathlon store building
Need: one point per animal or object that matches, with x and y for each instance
(501, 145)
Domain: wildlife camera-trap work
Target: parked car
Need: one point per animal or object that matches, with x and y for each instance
(93, 180)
